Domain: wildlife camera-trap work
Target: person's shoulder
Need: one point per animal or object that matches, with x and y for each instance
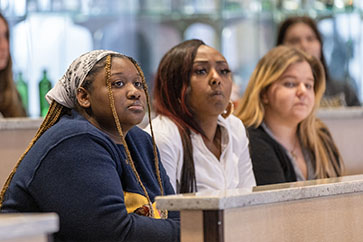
(74, 125)
(164, 121)
(70, 132)
(163, 125)
(257, 134)
(232, 122)
(138, 133)
(261, 143)
(255, 130)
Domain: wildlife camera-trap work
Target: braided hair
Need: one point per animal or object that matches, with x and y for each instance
(57, 110)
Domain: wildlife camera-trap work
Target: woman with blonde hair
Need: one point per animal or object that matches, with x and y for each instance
(287, 142)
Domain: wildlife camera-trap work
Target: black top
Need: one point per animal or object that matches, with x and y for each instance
(270, 162)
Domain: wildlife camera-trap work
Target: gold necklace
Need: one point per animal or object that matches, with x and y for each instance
(293, 152)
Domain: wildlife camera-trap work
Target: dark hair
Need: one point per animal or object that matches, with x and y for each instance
(287, 23)
(171, 82)
(10, 102)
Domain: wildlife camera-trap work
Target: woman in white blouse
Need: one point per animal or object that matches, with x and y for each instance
(202, 146)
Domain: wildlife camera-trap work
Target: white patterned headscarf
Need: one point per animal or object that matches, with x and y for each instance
(65, 90)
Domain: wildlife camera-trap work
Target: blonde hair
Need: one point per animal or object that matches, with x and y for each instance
(57, 110)
(312, 132)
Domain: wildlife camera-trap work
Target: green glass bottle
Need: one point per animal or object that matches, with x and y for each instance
(44, 86)
(22, 88)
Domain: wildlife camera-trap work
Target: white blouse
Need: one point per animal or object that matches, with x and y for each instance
(232, 170)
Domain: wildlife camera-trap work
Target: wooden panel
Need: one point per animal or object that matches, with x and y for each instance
(35, 238)
(213, 225)
(191, 226)
(326, 219)
(347, 134)
(12, 145)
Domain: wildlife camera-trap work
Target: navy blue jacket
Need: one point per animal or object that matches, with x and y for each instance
(77, 171)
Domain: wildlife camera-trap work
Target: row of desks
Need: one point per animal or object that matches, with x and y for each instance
(346, 126)
(321, 210)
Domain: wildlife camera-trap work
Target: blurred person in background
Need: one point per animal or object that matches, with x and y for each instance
(302, 32)
(287, 141)
(10, 101)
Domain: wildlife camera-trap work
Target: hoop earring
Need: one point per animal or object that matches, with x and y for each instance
(229, 110)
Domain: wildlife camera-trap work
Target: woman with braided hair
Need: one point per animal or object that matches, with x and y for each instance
(89, 163)
(201, 145)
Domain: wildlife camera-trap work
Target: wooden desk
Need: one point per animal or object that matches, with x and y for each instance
(327, 210)
(28, 227)
(346, 127)
(15, 135)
